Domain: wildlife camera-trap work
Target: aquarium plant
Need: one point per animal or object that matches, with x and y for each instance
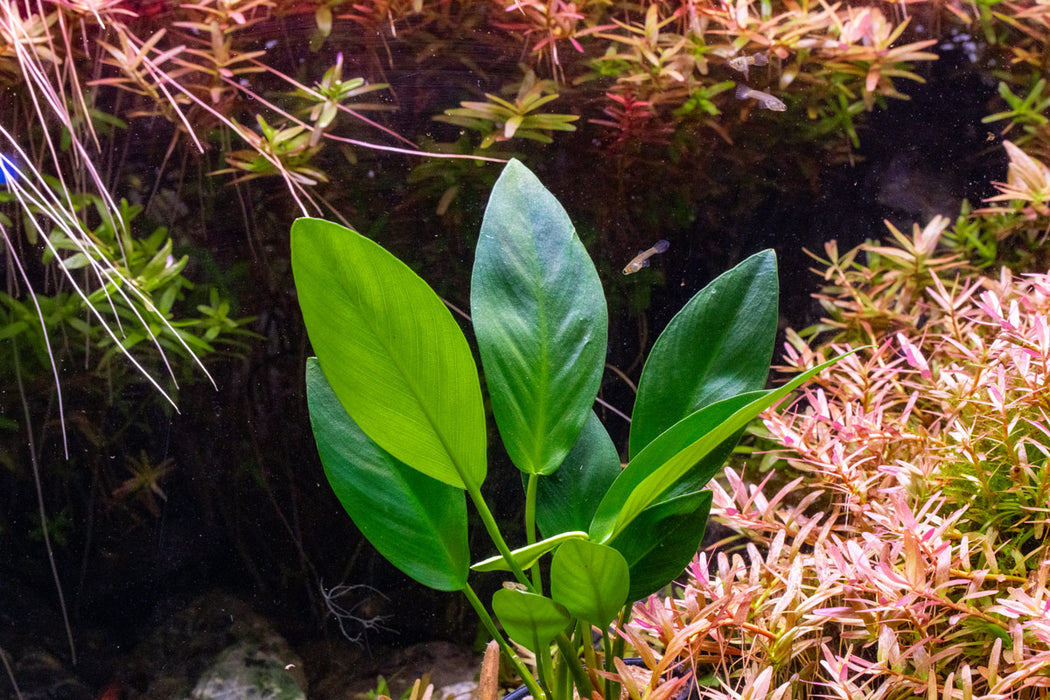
(898, 547)
(399, 418)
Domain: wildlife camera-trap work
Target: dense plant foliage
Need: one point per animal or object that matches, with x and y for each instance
(218, 80)
(899, 548)
(396, 407)
(152, 154)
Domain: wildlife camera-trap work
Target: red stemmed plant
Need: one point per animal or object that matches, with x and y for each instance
(899, 548)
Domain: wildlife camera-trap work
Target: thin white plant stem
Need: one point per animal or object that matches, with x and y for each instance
(318, 96)
(28, 64)
(612, 408)
(43, 327)
(67, 68)
(10, 674)
(363, 144)
(54, 210)
(35, 464)
(104, 273)
(424, 154)
(294, 186)
(161, 79)
(107, 276)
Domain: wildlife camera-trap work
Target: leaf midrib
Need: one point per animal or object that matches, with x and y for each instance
(416, 394)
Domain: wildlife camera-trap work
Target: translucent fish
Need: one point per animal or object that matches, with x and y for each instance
(742, 64)
(765, 100)
(642, 259)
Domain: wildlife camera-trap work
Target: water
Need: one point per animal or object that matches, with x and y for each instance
(155, 506)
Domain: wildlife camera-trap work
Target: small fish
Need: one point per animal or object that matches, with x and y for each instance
(642, 259)
(765, 100)
(741, 64)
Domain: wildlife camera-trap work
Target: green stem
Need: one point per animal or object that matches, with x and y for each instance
(562, 679)
(572, 660)
(530, 526)
(496, 536)
(34, 462)
(544, 669)
(610, 666)
(621, 643)
(618, 648)
(586, 640)
(490, 625)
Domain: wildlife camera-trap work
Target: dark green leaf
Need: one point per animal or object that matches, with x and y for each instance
(540, 319)
(719, 345)
(671, 448)
(662, 540)
(418, 523)
(566, 500)
(669, 457)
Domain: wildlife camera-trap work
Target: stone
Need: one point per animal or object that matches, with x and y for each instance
(246, 671)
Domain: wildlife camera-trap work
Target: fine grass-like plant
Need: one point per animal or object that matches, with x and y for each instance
(397, 411)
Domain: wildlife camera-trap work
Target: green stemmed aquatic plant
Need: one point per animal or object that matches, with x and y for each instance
(396, 406)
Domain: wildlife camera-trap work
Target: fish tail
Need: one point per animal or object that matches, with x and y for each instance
(661, 246)
(742, 92)
(761, 59)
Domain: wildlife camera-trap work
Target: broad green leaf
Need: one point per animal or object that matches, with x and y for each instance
(669, 457)
(528, 555)
(698, 476)
(540, 319)
(566, 500)
(666, 448)
(391, 351)
(662, 540)
(719, 345)
(530, 619)
(590, 580)
(418, 523)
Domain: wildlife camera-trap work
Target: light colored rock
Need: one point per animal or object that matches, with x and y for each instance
(464, 690)
(216, 647)
(246, 672)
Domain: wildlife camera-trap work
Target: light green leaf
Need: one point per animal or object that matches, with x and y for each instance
(10, 330)
(665, 450)
(590, 580)
(540, 319)
(391, 351)
(77, 261)
(156, 265)
(528, 555)
(669, 457)
(719, 345)
(511, 126)
(530, 619)
(418, 523)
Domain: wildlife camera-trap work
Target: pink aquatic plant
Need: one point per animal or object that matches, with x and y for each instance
(903, 552)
